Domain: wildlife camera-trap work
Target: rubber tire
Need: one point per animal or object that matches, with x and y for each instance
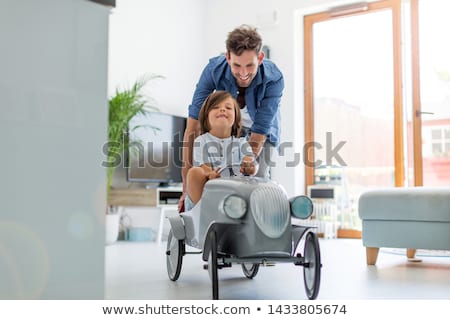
(250, 272)
(174, 256)
(212, 265)
(312, 266)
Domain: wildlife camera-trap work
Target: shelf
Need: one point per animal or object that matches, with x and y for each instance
(132, 197)
(145, 197)
(168, 196)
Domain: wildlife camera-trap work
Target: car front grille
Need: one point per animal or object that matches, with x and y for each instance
(270, 208)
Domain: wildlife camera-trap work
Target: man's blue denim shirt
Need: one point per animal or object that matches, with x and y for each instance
(262, 97)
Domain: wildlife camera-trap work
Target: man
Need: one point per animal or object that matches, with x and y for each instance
(257, 85)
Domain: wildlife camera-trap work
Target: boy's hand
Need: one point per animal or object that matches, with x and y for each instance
(213, 174)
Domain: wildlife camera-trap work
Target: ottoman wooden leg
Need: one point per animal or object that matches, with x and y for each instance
(410, 253)
(371, 255)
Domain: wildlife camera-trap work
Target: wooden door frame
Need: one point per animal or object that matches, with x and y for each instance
(308, 22)
(416, 102)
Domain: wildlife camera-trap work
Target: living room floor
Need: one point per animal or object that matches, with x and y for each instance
(137, 270)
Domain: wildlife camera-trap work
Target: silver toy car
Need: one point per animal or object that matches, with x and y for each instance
(245, 220)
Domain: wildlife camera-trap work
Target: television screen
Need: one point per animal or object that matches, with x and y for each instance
(155, 150)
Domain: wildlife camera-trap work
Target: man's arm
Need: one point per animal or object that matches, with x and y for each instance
(256, 141)
(267, 110)
(192, 131)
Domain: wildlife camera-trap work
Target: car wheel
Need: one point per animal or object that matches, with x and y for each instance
(312, 266)
(212, 265)
(174, 256)
(250, 269)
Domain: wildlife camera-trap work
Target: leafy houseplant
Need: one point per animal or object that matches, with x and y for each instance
(123, 106)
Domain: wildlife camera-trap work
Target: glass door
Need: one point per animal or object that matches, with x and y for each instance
(353, 102)
(430, 119)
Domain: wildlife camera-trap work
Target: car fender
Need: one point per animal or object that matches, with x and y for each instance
(297, 234)
(216, 227)
(177, 225)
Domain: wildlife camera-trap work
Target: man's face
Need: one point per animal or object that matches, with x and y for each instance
(245, 66)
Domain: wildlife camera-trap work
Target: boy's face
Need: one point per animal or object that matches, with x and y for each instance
(245, 66)
(222, 115)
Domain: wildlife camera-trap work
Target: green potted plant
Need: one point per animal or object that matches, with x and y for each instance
(123, 106)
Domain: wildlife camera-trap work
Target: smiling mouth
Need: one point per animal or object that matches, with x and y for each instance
(244, 78)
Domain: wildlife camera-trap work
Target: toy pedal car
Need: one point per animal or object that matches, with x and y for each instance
(245, 220)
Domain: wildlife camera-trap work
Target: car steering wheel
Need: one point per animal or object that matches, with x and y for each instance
(232, 170)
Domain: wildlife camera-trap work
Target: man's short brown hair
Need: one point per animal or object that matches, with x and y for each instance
(243, 38)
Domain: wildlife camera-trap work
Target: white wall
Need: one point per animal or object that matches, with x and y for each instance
(285, 38)
(175, 38)
(160, 37)
(53, 107)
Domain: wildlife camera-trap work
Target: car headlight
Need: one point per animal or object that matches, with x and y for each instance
(301, 207)
(234, 207)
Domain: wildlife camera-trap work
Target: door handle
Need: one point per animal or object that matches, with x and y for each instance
(418, 113)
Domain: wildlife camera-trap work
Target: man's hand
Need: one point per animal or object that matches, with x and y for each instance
(256, 141)
(248, 166)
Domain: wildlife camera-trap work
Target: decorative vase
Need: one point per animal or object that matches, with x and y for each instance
(112, 223)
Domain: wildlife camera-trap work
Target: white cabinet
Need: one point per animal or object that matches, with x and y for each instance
(167, 202)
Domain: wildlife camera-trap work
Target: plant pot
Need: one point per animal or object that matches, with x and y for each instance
(112, 223)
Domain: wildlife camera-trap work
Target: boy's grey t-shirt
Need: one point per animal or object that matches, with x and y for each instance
(217, 152)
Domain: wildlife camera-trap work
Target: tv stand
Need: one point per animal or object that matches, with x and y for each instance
(163, 185)
(165, 199)
(132, 197)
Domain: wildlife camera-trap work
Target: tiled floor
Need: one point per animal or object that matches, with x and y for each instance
(138, 271)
